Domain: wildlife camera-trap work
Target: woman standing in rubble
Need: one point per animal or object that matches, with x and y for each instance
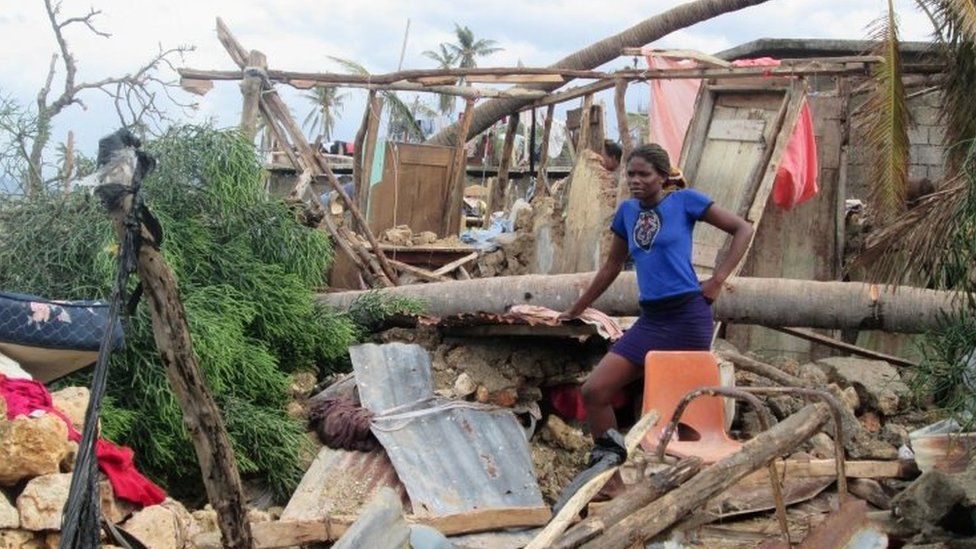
(655, 228)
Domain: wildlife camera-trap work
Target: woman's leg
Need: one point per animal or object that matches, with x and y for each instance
(609, 377)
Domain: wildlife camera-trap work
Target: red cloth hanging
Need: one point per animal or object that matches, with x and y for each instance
(796, 178)
(25, 396)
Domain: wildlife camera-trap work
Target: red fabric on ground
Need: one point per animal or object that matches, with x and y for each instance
(25, 396)
(567, 401)
(796, 178)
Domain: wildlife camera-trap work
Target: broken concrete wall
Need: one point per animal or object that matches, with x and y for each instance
(589, 207)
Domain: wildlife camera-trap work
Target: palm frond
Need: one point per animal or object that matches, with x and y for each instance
(886, 124)
(965, 14)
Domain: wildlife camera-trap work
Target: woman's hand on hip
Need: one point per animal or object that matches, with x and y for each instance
(711, 288)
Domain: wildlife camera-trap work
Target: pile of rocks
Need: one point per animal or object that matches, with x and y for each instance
(36, 460)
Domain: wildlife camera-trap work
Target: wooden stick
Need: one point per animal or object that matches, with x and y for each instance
(620, 94)
(423, 274)
(634, 498)
(251, 88)
(586, 115)
(840, 345)
(452, 217)
(543, 175)
(501, 181)
(755, 454)
(767, 371)
(828, 468)
(457, 263)
(678, 54)
(568, 513)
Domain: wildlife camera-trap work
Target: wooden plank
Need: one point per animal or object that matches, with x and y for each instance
(251, 88)
(828, 468)
(422, 274)
(455, 264)
(737, 130)
(451, 217)
(501, 182)
(517, 79)
(544, 152)
(691, 148)
(412, 192)
(196, 86)
(586, 113)
(840, 345)
(282, 533)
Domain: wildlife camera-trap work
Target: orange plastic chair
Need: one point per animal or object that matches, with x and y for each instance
(668, 377)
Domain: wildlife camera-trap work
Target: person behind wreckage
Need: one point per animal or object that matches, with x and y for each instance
(655, 228)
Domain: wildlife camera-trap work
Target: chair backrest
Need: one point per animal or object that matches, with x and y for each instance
(668, 377)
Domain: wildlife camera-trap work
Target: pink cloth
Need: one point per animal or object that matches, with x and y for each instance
(796, 178)
(25, 396)
(672, 105)
(606, 326)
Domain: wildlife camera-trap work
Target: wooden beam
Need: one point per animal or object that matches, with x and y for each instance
(586, 117)
(251, 87)
(842, 346)
(455, 191)
(497, 199)
(457, 263)
(196, 87)
(422, 274)
(357, 154)
(678, 54)
(767, 371)
(543, 175)
(619, 96)
(828, 468)
(570, 94)
(282, 533)
(375, 112)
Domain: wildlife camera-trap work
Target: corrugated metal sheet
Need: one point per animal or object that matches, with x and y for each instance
(457, 456)
(452, 457)
(391, 375)
(340, 483)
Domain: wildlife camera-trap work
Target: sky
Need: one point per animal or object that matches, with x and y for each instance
(301, 35)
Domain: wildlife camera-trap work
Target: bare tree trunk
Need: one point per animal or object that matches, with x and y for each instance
(497, 199)
(745, 300)
(604, 51)
(251, 88)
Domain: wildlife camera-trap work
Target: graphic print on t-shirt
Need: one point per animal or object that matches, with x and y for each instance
(646, 229)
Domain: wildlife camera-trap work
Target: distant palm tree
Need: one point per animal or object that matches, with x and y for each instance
(445, 60)
(322, 117)
(638, 124)
(466, 50)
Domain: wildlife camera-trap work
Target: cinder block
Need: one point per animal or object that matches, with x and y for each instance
(926, 116)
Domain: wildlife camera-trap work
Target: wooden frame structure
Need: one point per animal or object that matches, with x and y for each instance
(358, 243)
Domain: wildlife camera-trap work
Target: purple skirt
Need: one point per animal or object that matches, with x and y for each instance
(682, 323)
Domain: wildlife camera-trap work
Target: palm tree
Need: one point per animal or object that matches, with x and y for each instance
(638, 123)
(323, 116)
(445, 60)
(466, 50)
(597, 54)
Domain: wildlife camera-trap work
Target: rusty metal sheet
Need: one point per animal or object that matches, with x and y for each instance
(847, 527)
(392, 375)
(340, 483)
(752, 497)
(459, 456)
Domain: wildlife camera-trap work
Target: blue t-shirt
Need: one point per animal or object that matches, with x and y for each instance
(659, 240)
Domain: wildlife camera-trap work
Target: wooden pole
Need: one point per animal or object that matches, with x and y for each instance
(201, 416)
(544, 152)
(634, 498)
(583, 141)
(762, 369)
(453, 217)
(251, 87)
(497, 199)
(654, 518)
(357, 155)
(369, 149)
(619, 96)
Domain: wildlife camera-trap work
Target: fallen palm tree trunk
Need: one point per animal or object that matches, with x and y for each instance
(763, 301)
(656, 517)
(635, 498)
